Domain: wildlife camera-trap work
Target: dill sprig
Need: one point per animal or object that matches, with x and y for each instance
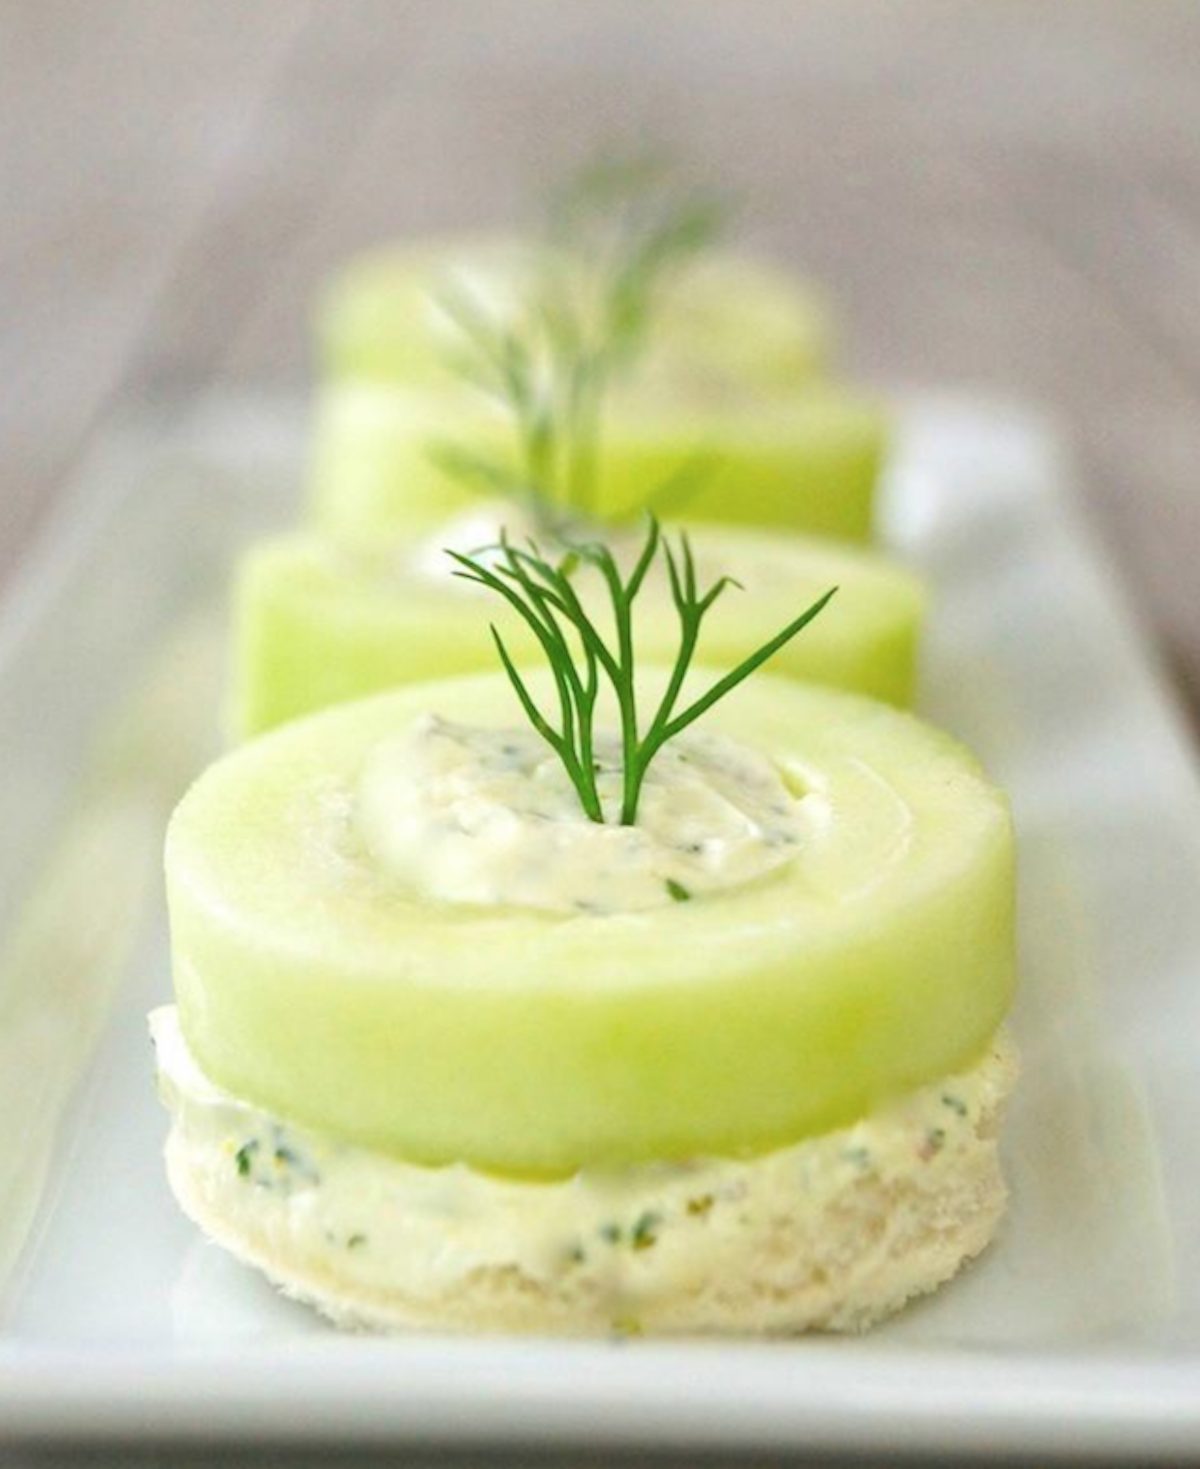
(543, 594)
(618, 232)
(526, 366)
(630, 225)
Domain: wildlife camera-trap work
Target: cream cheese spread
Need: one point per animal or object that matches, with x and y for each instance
(628, 1242)
(472, 815)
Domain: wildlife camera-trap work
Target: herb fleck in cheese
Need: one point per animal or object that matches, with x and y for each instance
(489, 816)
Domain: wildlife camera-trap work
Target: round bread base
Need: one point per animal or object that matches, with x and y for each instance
(872, 1241)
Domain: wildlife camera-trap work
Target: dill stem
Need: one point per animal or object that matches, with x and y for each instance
(654, 734)
(631, 784)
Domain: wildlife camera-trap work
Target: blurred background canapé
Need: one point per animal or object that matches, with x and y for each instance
(1003, 197)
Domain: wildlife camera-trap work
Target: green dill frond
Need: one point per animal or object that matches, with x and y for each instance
(632, 223)
(618, 233)
(543, 594)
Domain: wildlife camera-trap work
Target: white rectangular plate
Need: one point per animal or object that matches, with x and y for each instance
(1078, 1332)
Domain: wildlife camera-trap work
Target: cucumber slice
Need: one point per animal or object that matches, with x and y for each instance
(317, 626)
(807, 460)
(728, 317)
(318, 988)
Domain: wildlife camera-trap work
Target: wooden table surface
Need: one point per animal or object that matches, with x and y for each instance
(1004, 196)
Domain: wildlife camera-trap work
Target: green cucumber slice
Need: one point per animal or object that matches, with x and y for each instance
(807, 461)
(315, 625)
(728, 318)
(535, 1044)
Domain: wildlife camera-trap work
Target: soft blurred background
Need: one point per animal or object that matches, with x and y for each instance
(1002, 196)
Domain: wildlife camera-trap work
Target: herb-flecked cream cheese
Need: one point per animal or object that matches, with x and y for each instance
(473, 815)
(631, 1244)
